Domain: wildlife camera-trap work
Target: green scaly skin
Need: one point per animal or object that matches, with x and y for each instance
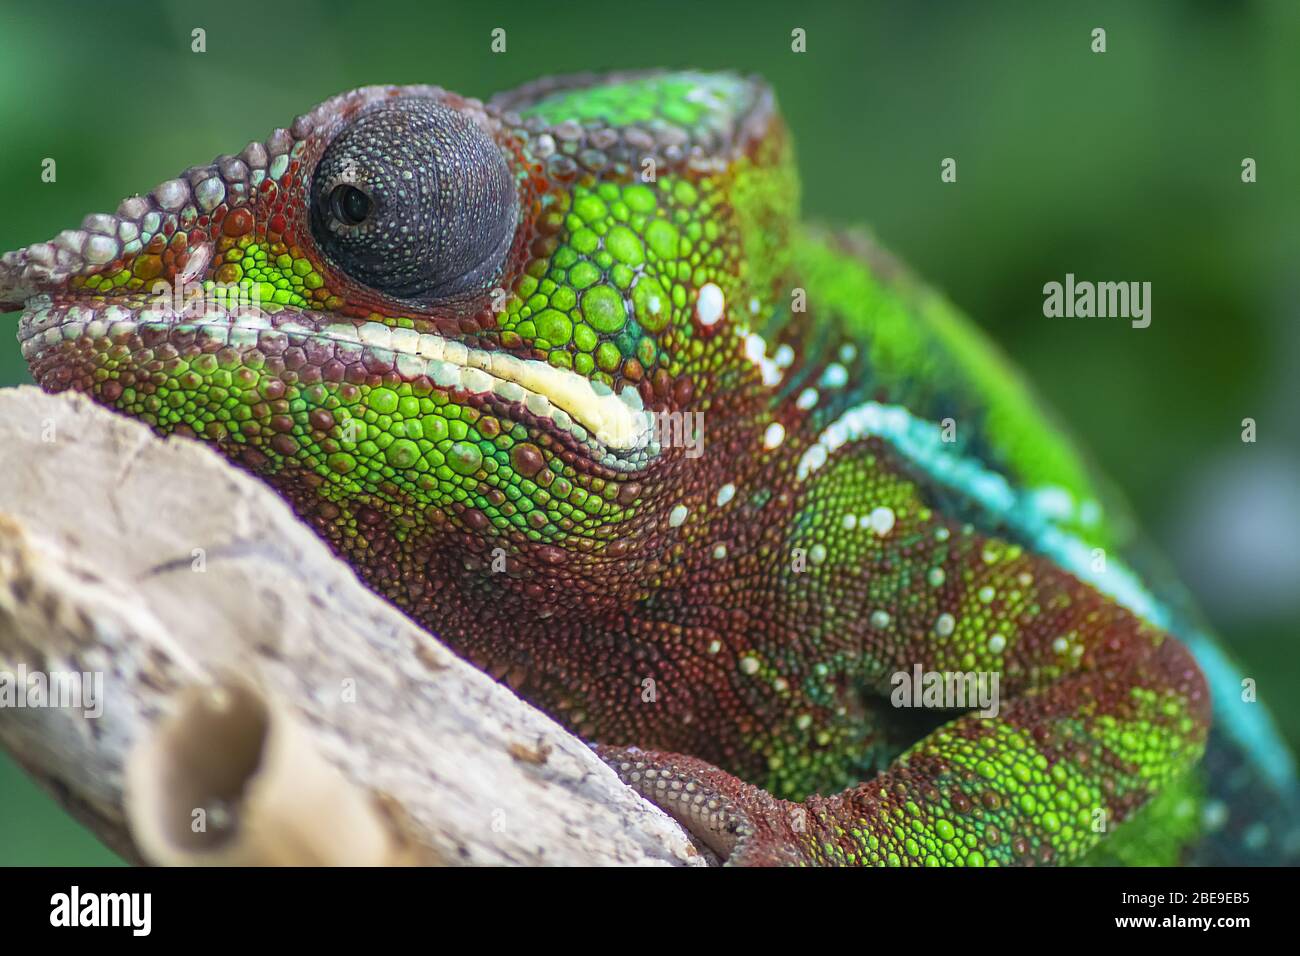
(727, 624)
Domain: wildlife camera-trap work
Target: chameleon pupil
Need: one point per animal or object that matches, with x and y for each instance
(350, 205)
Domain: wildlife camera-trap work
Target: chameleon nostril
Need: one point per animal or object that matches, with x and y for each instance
(196, 264)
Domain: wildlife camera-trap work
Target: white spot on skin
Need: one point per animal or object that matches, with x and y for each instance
(677, 516)
(726, 493)
(835, 376)
(1060, 645)
(850, 522)
(997, 643)
(880, 620)
(754, 306)
(812, 459)
(749, 665)
(936, 577)
(709, 304)
(986, 594)
(807, 399)
(720, 552)
(817, 554)
(774, 435)
(1214, 815)
(756, 352)
(882, 521)
(944, 625)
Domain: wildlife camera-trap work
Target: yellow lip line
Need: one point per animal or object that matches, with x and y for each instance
(617, 421)
(574, 403)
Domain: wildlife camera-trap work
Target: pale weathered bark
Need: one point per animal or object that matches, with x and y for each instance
(258, 703)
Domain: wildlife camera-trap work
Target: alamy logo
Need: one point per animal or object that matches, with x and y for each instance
(133, 910)
(195, 300)
(946, 690)
(1102, 300)
(73, 690)
(683, 430)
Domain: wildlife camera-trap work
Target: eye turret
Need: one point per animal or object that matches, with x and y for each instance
(416, 201)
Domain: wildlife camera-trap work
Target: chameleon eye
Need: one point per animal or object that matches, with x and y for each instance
(416, 201)
(349, 205)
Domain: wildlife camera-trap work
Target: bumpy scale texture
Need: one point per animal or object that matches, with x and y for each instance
(872, 488)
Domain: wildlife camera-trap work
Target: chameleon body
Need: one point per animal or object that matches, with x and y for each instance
(564, 377)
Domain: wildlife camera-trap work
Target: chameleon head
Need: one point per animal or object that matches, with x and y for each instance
(421, 316)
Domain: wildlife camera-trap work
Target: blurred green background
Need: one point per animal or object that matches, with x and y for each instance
(1118, 166)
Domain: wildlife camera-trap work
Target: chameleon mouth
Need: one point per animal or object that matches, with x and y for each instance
(614, 430)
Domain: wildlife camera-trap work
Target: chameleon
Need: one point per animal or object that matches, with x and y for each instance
(564, 377)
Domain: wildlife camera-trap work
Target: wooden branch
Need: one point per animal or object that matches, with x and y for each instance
(256, 703)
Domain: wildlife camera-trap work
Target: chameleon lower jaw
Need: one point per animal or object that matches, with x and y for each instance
(613, 431)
